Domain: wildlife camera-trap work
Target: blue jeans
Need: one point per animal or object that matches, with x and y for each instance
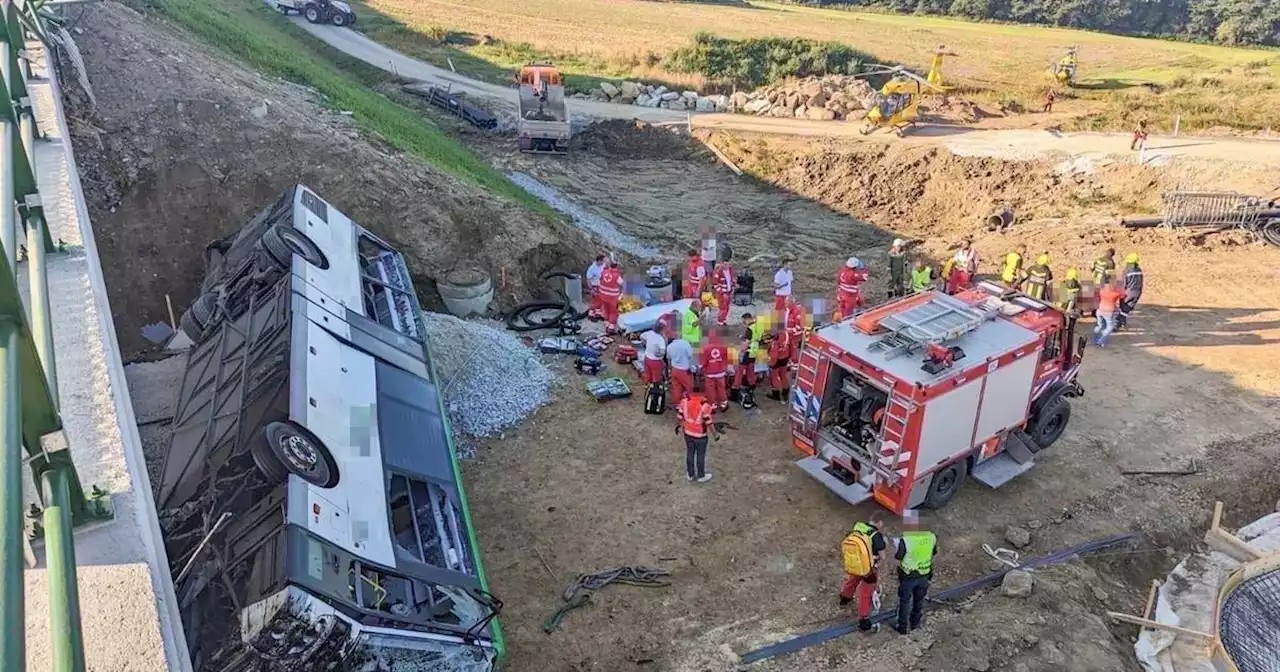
(1106, 325)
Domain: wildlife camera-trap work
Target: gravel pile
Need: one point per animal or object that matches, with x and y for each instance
(595, 224)
(490, 379)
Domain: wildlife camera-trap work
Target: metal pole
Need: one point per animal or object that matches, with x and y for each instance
(60, 561)
(38, 307)
(13, 653)
(1177, 125)
(8, 208)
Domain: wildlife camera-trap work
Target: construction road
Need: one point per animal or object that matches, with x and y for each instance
(1004, 144)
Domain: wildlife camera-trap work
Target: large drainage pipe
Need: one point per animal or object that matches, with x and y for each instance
(1000, 219)
(466, 291)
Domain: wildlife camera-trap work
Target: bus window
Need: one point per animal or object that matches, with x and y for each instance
(403, 529)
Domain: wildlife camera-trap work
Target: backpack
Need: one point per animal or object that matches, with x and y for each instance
(856, 551)
(655, 400)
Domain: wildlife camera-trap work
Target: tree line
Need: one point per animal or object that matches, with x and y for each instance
(1236, 22)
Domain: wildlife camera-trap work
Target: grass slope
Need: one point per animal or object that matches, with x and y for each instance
(272, 45)
(1127, 77)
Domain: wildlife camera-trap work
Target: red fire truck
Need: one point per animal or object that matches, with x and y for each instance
(906, 400)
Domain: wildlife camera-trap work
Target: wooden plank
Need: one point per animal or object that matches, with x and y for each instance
(1151, 598)
(1221, 540)
(720, 155)
(1217, 516)
(1148, 623)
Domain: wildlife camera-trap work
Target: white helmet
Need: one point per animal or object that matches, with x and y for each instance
(853, 262)
(898, 242)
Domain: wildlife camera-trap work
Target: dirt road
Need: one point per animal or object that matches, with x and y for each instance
(1005, 144)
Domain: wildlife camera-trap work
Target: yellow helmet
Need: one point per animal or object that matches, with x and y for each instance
(1131, 258)
(1043, 260)
(1073, 274)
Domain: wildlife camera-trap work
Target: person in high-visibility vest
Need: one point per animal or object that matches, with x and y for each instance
(1011, 273)
(1104, 267)
(1071, 293)
(610, 294)
(745, 371)
(694, 414)
(863, 588)
(695, 276)
(691, 324)
(921, 276)
(1039, 279)
(916, 550)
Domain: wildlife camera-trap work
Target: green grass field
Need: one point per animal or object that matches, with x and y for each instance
(269, 43)
(1123, 77)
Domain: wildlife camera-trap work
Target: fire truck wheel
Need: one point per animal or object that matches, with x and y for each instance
(296, 451)
(1051, 422)
(945, 484)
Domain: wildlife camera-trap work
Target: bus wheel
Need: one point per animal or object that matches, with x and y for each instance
(296, 451)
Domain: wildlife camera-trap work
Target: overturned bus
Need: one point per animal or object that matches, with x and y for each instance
(310, 495)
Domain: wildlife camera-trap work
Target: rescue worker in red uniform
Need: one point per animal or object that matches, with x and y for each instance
(611, 294)
(779, 365)
(695, 419)
(723, 282)
(695, 276)
(795, 327)
(849, 286)
(715, 366)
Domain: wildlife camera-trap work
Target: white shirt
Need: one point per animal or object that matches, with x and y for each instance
(967, 259)
(709, 249)
(680, 354)
(594, 271)
(782, 281)
(655, 346)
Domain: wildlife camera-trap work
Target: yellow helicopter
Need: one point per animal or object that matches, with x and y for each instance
(1064, 71)
(898, 105)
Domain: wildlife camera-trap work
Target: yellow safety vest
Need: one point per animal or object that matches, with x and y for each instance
(1012, 264)
(921, 279)
(757, 335)
(919, 556)
(691, 328)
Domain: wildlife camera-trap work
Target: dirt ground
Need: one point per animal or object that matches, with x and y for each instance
(168, 168)
(754, 553)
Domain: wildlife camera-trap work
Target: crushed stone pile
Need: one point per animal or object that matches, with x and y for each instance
(490, 379)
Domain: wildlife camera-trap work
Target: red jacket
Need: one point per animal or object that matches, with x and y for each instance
(715, 359)
(850, 280)
(611, 283)
(1109, 300)
(795, 318)
(779, 347)
(723, 279)
(695, 275)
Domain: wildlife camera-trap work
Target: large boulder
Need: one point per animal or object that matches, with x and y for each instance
(643, 99)
(631, 89)
(609, 89)
(739, 100)
(794, 100)
(758, 106)
(781, 111)
(625, 100)
(692, 95)
(657, 91)
(679, 103)
(811, 88)
(719, 102)
(818, 100)
(669, 96)
(705, 105)
(820, 114)
(652, 102)
(800, 111)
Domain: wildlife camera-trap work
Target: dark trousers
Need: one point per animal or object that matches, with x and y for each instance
(911, 594)
(695, 456)
(1127, 304)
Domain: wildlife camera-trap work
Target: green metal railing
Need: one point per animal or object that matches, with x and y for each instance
(30, 425)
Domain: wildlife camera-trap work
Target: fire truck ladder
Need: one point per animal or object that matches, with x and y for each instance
(892, 460)
(942, 319)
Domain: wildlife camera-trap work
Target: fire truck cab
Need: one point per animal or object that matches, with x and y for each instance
(905, 401)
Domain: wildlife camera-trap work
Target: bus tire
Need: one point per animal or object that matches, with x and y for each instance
(281, 242)
(299, 452)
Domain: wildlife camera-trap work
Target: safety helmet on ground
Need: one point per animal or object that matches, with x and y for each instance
(1043, 260)
(1073, 274)
(1131, 258)
(853, 262)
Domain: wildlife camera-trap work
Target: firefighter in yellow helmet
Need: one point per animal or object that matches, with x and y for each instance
(1071, 293)
(1132, 289)
(1011, 273)
(1040, 279)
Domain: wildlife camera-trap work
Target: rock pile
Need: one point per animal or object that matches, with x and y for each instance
(490, 379)
(819, 98)
(645, 95)
(823, 98)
